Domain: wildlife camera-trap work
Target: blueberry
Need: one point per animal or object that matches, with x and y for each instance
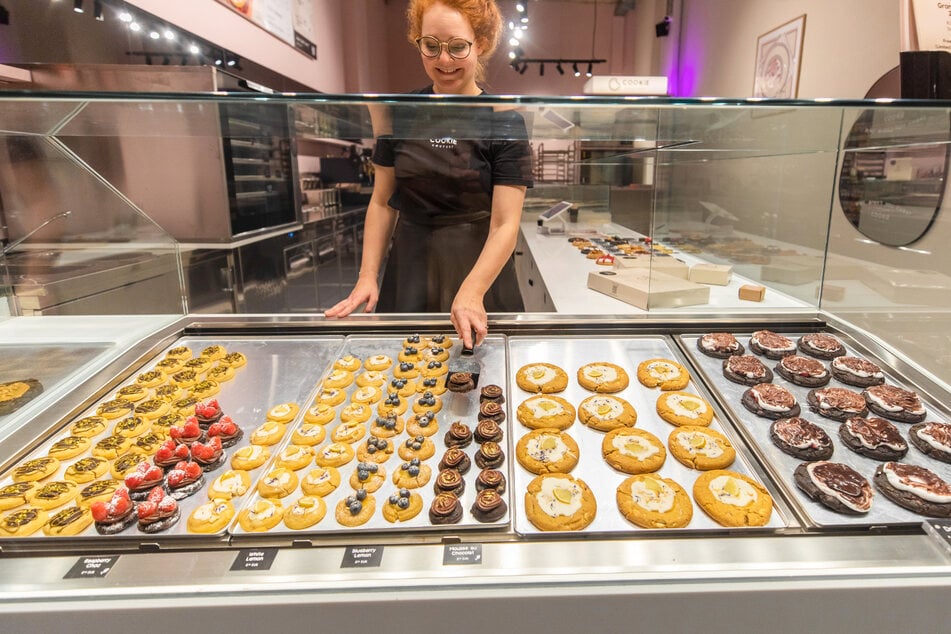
(406, 366)
(417, 446)
(350, 500)
(394, 499)
(414, 471)
(403, 503)
(355, 507)
(420, 438)
(373, 468)
(371, 449)
(404, 466)
(362, 475)
(414, 462)
(410, 350)
(361, 494)
(404, 493)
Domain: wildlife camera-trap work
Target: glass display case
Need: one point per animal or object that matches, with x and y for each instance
(821, 223)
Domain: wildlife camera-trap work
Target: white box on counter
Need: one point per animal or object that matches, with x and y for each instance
(659, 263)
(646, 288)
(716, 274)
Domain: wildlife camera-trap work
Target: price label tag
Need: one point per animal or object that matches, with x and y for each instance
(461, 554)
(362, 557)
(254, 559)
(940, 531)
(92, 567)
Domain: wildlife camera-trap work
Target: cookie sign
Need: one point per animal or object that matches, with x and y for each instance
(88, 567)
(362, 557)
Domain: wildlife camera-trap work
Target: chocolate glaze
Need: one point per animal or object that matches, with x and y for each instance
(875, 432)
(488, 430)
(492, 393)
(745, 365)
(939, 432)
(896, 397)
(489, 455)
(719, 342)
(449, 481)
(803, 366)
(445, 509)
(459, 435)
(847, 483)
(822, 342)
(774, 395)
(856, 365)
(840, 398)
(488, 506)
(491, 411)
(456, 459)
(799, 432)
(918, 478)
(769, 340)
(490, 479)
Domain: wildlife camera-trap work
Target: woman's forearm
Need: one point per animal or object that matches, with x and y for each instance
(500, 243)
(379, 224)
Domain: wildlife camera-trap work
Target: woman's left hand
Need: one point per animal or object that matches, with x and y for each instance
(469, 318)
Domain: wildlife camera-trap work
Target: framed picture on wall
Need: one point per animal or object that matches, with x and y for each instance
(778, 56)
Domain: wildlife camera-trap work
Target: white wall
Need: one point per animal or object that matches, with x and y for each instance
(848, 44)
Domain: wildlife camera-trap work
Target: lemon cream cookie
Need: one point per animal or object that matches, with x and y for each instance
(606, 412)
(331, 396)
(283, 412)
(633, 450)
(211, 517)
(319, 414)
(264, 514)
(603, 377)
(371, 378)
(681, 408)
(546, 410)
(250, 457)
(663, 373)
(547, 451)
(348, 362)
(309, 435)
(305, 512)
(732, 499)
(559, 502)
(701, 448)
(335, 454)
(268, 433)
(355, 413)
(339, 379)
(278, 483)
(367, 394)
(320, 481)
(649, 501)
(378, 362)
(541, 377)
(295, 457)
(230, 484)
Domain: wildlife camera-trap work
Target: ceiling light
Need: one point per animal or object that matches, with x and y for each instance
(78, 6)
(135, 26)
(574, 67)
(193, 49)
(590, 68)
(125, 16)
(154, 35)
(232, 62)
(519, 7)
(512, 55)
(169, 34)
(218, 62)
(561, 71)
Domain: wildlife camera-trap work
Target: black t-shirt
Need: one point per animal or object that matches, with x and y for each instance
(448, 157)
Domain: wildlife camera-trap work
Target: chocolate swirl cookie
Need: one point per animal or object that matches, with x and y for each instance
(488, 506)
(445, 509)
(857, 372)
(719, 344)
(459, 435)
(489, 456)
(449, 481)
(803, 371)
(746, 369)
(821, 346)
(770, 401)
(874, 438)
(456, 459)
(835, 485)
(915, 488)
(933, 439)
(836, 403)
(491, 393)
(491, 411)
(488, 431)
(460, 382)
(771, 344)
(895, 403)
(801, 439)
(490, 479)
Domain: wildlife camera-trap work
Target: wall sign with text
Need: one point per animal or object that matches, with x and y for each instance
(288, 20)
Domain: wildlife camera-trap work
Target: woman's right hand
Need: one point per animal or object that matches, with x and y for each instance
(366, 291)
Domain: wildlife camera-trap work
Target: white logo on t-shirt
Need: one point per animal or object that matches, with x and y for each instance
(443, 143)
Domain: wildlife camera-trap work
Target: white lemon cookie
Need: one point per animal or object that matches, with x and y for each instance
(339, 379)
(211, 517)
(320, 481)
(541, 377)
(348, 363)
(633, 450)
(262, 515)
(682, 408)
(230, 484)
(732, 499)
(283, 413)
(545, 410)
(650, 501)
(547, 451)
(605, 412)
(663, 373)
(305, 512)
(559, 502)
(701, 448)
(603, 377)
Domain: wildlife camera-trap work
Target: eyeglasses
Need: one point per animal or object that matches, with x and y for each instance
(457, 47)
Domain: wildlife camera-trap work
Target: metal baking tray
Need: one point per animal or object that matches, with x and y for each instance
(278, 370)
(572, 353)
(780, 465)
(456, 406)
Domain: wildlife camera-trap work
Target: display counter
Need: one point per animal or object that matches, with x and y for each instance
(773, 168)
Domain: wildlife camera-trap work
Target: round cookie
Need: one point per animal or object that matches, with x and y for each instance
(151, 378)
(649, 501)
(387, 426)
(402, 506)
(367, 394)
(856, 371)
(720, 345)
(746, 369)
(305, 512)
(771, 401)
(545, 411)
(434, 384)
(339, 379)
(88, 427)
(605, 412)
(330, 396)
(86, 469)
(349, 432)
(682, 408)
(213, 352)
(803, 371)
(262, 515)
(13, 495)
(250, 457)
(268, 433)
(219, 373)
(836, 403)
(835, 485)
(932, 439)
(230, 484)
(23, 522)
(283, 412)
(179, 352)
(356, 509)
(603, 377)
(114, 409)
(874, 438)
(663, 373)
(100, 490)
(309, 435)
(422, 425)
(320, 481)
(135, 392)
(418, 446)
(36, 469)
(378, 362)
(541, 377)
(915, 488)
(406, 370)
(433, 368)
(771, 344)
(54, 494)
(633, 450)
(70, 447)
(371, 378)
(412, 476)
(211, 517)
(348, 363)
(294, 457)
(547, 451)
(335, 454)
(559, 502)
(821, 346)
(701, 448)
(895, 403)
(319, 414)
(356, 412)
(427, 402)
(801, 439)
(70, 521)
(732, 499)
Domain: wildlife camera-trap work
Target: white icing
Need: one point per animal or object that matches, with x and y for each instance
(551, 505)
(663, 370)
(534, 448)
(230, 482)
(931, 440)
(310, 430)
(924, 494)
(204, 513)
(379, 359)
(324, 476)
(745, 495)
(338, 376)
(821, 485)
(265, 514)
(592, 406)
(893, 408)
(282, 478)
(790, 346)
(675, 402)
(542, 407)
(657, 501)
(329, 394)
(710, 449)
(292, 453)
(280, 410)
(602, 373)
(546, 374)
(333, 450)
(777, 408)
(839, 364)
(250, 452)
(365, 393)
(645, 449)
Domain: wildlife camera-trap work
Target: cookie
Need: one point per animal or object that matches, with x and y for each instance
(424, 424)
(701, 448)
(356, 509)
(459, 435)
(445, 509)
(770, 401)
(427, 402)
(38, 469)
(330, 396)
(605, 412)
(771, 345)
(895, 403)
(232, 483)
(348, 363)
(378, 362)
(375, 449)
(72, 446)
(356, 413)
(392, 405)
(320, 481)
(491, 411)
(54, 494)
(412, 475)
(250, 457)
(547, 451)
(457, 459)
(489, 455)
(294, 457)
(559, 502)
(856, 371)
(932, 439)
(449, 481)
(268, 433)
(663, 373)
(836, 403)
(732, 499)
(633, 450)
(70, 521)
(402, 506)
(262, 515)
(369, 476)
(803, 371)
(211, 517)
(801, 439)
(835, 485)
(719, 344)
(489, 506)
(487, 431)
(305, 512)
(419, 447)
(915, 488)
(88, 427)
(309, 435)
(821, 346)
(23, 522)
(335, 454)
(541, 377)
(746, 369)
(546, 411)
(874, 438)
(491, 479)
(16, 494)
(603, 377)
(682, 408)
(406, 370)
(86, 469)
(433, 368)
(367, 395)
(649, 501)
(339, 379)
(349, 432)
(434, 384)
(371, 378)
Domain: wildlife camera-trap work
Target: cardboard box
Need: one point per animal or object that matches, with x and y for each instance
(910, 286)
(752, 292)
(661, 264)
(716, 274)
(792, 269)
(648, 289)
